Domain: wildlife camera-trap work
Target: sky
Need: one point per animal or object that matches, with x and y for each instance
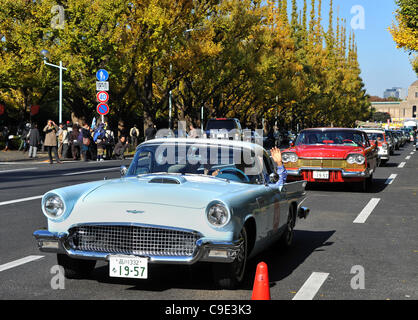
(383, 66)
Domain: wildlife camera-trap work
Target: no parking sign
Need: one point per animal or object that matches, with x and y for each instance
(102, 109)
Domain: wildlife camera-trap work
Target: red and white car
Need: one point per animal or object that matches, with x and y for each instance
(332, 155)
(378, 136)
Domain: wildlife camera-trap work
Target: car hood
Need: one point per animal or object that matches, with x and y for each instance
(325, 151)
(191, 191)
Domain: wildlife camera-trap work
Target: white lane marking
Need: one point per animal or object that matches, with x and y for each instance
(402, 164)
(14, 170)
(19, 262)
(311, 286)
(7, 162)
(89, 171)
(364, 214)
(408, 157)
(19, 200)
(391, 178)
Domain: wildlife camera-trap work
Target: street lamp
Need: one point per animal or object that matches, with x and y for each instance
(46, 55)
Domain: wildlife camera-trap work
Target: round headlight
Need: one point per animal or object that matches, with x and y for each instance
(289, 157)
(356, 158)
(360, 159)
(53, 206)
(218, 215)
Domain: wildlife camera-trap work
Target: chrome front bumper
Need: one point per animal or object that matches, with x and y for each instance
(206, 251)
(345, 174)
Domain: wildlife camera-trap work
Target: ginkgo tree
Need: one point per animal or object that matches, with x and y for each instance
(248, 59)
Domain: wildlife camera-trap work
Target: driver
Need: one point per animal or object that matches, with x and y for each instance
(281, 170)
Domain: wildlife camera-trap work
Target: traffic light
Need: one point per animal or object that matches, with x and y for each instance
(414, 111)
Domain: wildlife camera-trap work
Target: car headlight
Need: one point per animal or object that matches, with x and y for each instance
(356, 158)
(217, 214)
(290, 157)
(53, 206)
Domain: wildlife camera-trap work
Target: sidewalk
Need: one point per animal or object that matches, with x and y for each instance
(19, 156)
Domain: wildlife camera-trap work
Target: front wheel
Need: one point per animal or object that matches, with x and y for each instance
(286, 239)
(75, 268)
(230, 275)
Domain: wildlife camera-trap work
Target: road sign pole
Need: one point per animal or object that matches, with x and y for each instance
(60, 95)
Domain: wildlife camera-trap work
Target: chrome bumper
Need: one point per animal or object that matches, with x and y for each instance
(345, 174)
(212, 251)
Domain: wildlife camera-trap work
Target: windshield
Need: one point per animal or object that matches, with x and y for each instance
(340, 137)
(225, 162)
(375, 136)
(220, 124)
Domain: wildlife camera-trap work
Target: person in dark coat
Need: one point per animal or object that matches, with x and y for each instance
(6, 138)
(34, 140)
(75, 144)
(120, 148)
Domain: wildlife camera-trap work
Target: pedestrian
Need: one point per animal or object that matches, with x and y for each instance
(73, 140)
(24, 134)
(86, 141)
(150, 132)
(5, 134)
(110, 143)
(51, 130)
(34, 139)
(120, 148)
(63, 141)
(193, 133)
(134, 134)
(99, 138)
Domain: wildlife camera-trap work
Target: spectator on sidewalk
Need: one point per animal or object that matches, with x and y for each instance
(34, 139)
(86, 141)
(134, 134)
(50, 142)
(63, 142)
(99, 138)
(5, 134)
(120, 148)
(110, 143)
(73, 140)
(150, 132)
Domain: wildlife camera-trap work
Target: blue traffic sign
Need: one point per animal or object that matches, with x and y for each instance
(102, 75)
(102, 109)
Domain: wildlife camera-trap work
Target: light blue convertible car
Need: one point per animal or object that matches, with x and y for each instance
(180, 201)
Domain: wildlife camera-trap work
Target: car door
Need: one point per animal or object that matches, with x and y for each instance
(370, 152)
(277, 204)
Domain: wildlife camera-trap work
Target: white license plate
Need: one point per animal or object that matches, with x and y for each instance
(321, 175)
(128, 267)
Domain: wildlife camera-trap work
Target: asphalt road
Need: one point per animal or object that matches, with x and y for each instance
(354, 245)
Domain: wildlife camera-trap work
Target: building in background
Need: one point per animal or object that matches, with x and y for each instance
(401, 110)
(396, 92)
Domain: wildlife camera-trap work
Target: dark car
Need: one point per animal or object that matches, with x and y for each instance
(224, 128)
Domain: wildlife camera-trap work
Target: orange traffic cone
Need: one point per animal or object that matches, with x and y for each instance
(261, 289)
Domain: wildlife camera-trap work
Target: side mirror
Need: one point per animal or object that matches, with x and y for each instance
(123, 171)
(273, 177)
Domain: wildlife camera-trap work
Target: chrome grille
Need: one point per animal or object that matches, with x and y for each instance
(136, 240)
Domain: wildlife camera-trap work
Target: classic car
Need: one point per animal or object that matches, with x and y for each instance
(379, 137)
(180, 201)
(395, 138)
(224, 128)
(332, 155)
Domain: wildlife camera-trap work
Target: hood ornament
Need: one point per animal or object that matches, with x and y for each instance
(135, 211)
